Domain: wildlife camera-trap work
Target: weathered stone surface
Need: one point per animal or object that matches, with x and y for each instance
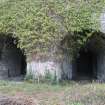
(101, 67)
(67, 68)
(40, 68)
(61, 68)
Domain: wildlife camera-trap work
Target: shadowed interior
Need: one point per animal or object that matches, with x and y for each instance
(86, 65)
(88, 62)
(12, 59)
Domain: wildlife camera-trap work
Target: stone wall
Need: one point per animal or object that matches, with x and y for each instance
(67, 67)
(101, 66)
(61, 68)
(40, 68)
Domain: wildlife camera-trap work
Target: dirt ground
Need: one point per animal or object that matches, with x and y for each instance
(17, 100)
(45, 94)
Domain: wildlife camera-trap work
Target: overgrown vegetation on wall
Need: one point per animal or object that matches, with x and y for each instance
(42, 24)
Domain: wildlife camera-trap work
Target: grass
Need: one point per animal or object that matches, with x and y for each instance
(67, 94)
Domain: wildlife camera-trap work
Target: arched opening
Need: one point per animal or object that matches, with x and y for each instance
(89, 64)
(12, 59)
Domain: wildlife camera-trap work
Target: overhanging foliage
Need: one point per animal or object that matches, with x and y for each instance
(42, 24)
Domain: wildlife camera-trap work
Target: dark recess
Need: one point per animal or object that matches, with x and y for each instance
(12, 58)
(86, 64)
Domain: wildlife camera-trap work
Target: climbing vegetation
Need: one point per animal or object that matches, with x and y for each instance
(42, 24)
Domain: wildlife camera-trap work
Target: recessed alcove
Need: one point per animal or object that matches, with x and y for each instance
(89, 63)
(12, 58)
(86, 65)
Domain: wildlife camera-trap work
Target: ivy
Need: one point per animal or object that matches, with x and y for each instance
(43, 24)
